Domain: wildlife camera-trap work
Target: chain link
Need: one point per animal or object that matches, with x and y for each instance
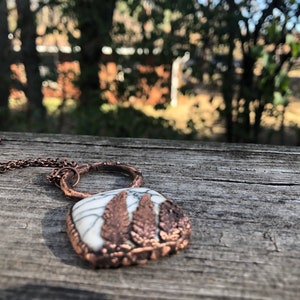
(66, 174)
(56, 163)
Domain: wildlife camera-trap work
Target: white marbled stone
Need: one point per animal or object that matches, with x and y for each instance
(87, 213)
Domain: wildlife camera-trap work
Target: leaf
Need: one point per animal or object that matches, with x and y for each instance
(171, 217)
(273, 31)
(295, 49)
(256, 51)
(266, 59)
(115, 228)
(282, 81)
(144, 225)
(289, 39)
(279, 99)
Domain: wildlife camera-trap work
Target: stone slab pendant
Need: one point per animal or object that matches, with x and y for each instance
(126, 227)
(121, 227)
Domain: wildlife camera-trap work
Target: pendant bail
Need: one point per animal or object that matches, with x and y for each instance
(64, 177)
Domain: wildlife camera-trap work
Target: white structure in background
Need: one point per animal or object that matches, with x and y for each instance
(176, 72)
(176, 76)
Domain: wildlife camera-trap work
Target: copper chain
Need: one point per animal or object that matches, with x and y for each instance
(56, 163)
(66, 174)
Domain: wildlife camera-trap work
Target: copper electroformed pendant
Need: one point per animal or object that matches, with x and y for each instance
(125, 226)
(120, 227)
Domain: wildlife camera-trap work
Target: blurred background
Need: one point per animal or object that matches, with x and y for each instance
(189, 69)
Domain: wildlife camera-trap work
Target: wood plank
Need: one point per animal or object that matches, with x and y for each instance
(243, 201)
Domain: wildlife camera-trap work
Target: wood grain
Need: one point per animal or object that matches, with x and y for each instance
(243, 201)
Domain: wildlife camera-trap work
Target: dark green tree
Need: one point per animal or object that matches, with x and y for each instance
(262, 32)
(246, 47)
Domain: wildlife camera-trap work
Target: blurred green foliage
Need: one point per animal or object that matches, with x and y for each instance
(119, 121)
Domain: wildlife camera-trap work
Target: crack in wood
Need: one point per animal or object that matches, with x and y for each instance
(246, 182)
(271, 236)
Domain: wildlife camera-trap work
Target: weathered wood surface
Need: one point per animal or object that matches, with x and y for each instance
(243, 201)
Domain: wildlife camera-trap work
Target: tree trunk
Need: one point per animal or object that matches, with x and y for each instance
(94, 34)
(228, 84)
(257, 123)
(248, 94)
(4, 66)
(30, 58)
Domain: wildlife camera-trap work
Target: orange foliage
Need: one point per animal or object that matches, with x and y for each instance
(68, 72)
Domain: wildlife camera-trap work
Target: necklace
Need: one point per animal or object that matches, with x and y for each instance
(120, 227)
